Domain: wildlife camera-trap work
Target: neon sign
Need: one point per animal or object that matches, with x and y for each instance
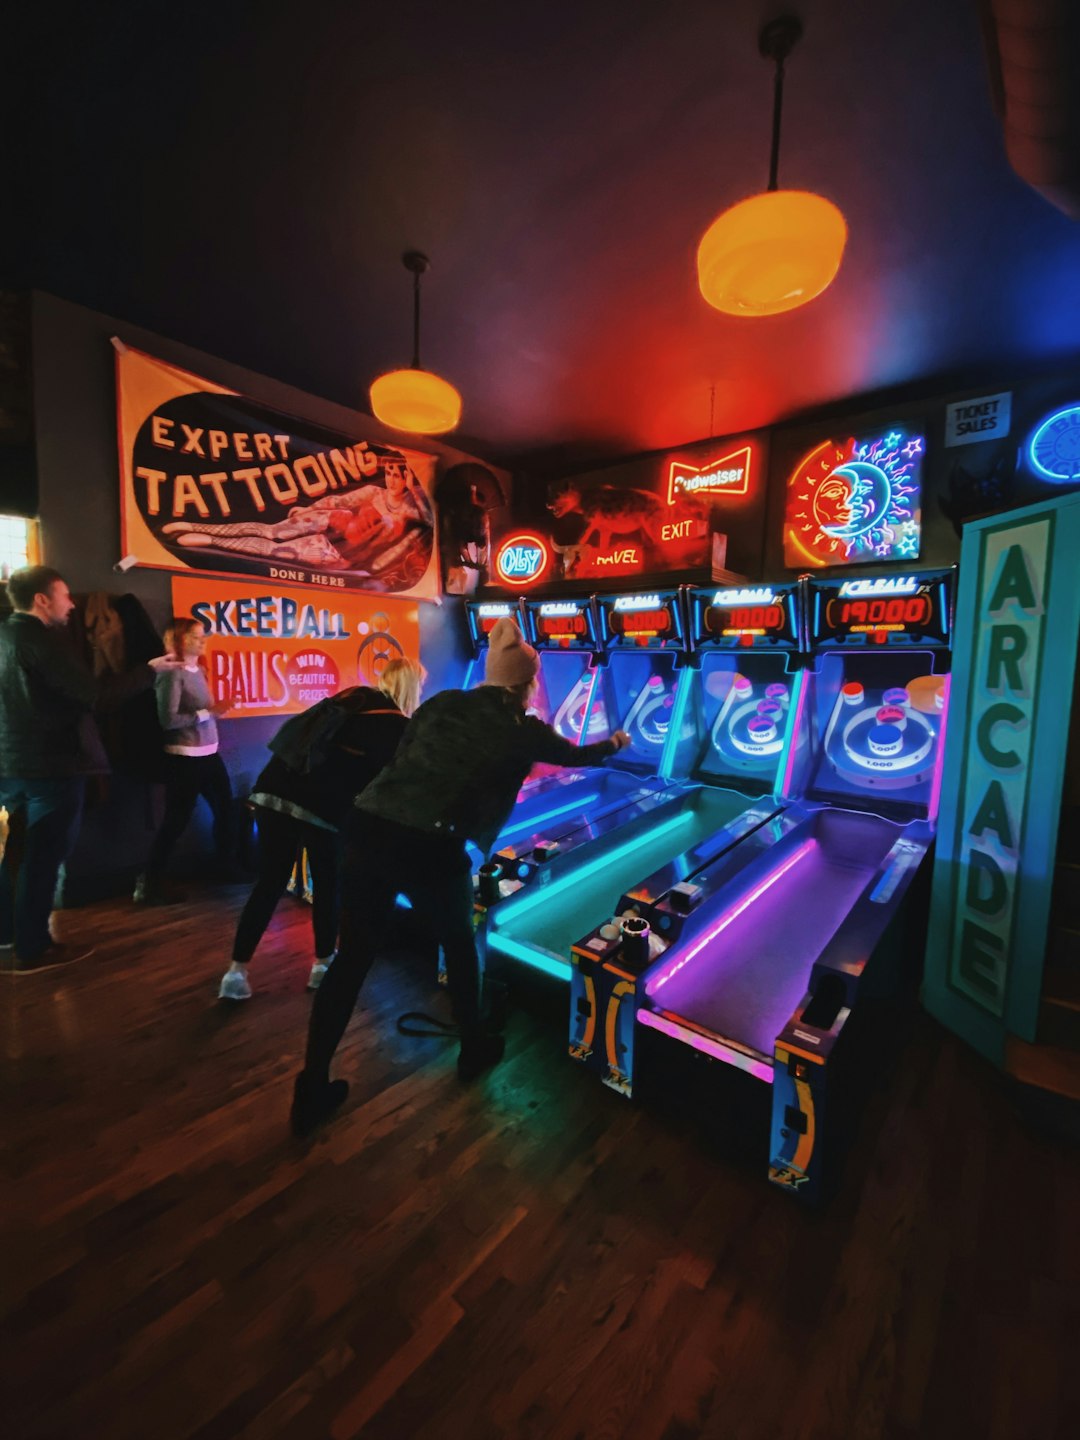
(730, 475)
(754, 595)
(855, 501)
(637, 602)
(504, 609)
(886, 585)
(1054, 449)
(560, 607)
(622, 561)
(522, 560)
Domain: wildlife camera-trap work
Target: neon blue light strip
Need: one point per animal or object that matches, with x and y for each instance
(469, 674)
(538, 820)
(589, 705)
(402, 902)
(787, 754)
(538, 959)
(671, 744)
(540, 894)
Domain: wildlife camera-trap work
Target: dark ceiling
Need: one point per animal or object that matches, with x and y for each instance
(244, 178)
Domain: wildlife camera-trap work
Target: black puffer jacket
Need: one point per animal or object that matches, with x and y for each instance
(464, 756)
(44, 696)
(366, 734)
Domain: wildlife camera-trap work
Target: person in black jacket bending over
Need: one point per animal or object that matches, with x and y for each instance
(322, 760)
(455, 777)
(45, 696)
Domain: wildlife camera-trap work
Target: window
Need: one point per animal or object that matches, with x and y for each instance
(18, 544)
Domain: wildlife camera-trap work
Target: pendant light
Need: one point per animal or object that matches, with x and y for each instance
(780, 249)
(415, 399)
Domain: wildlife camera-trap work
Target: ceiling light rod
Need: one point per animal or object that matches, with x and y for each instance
(418, 264)
(415, 399)
(778, 249)
(777, 40)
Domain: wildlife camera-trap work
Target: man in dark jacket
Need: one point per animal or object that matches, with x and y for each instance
(45, 695)
(455, 777)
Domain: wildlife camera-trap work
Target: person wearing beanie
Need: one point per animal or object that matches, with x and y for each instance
(455, 777)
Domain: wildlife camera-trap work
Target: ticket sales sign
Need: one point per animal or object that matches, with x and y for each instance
(273, 650)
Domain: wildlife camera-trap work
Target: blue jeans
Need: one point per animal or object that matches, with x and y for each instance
(53, 810)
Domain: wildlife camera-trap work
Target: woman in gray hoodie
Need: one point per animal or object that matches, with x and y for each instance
(193, 766)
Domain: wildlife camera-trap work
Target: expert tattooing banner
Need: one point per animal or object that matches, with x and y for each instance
(272, 650)
(213, 481)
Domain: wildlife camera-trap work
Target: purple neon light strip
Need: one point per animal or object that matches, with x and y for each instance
(939, 761)
(733, 914)
(793, 734)
(757, 1068)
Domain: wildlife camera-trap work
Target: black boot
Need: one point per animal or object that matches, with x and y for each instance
(312, 1104)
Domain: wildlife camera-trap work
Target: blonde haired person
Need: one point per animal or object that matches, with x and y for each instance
(322, 759)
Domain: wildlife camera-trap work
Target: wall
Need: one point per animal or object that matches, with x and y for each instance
(74, 402)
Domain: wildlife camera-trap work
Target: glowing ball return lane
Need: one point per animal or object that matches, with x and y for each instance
(710, 730)
(559, 810)
(762, 963)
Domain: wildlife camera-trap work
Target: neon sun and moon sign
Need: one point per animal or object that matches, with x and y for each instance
(856, 501)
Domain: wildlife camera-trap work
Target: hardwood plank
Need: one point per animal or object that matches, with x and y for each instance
(528, 1257)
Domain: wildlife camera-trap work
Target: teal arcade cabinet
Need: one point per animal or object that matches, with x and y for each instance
(1003, 959)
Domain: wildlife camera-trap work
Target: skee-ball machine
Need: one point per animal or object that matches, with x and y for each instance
(790, 932)
(691, 795)
(732, 728)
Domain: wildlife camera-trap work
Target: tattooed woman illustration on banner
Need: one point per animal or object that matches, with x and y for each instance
(382, 532)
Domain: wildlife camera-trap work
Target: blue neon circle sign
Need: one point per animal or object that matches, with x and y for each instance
(1054, 449)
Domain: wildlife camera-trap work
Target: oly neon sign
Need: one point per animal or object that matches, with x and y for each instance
(522, 560)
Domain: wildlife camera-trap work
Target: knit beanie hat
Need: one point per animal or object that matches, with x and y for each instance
(509, 660)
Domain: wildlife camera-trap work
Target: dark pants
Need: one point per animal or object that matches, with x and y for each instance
(281, 838)
(381, 860)
(186, 778)
(53, 811)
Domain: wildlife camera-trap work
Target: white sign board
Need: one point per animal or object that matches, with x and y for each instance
(986, 418)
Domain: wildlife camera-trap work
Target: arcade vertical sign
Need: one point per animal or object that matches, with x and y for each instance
(1014, 655)
(994, 793)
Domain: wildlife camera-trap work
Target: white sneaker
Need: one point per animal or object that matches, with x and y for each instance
(318, 970)
(234, 986)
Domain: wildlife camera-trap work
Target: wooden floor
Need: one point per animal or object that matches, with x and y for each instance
(529, 1257)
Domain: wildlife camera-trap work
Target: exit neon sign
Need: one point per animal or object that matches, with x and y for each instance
(729, 475)
(522, 560)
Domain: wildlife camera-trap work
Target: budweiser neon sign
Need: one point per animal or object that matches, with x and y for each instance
(728, 475)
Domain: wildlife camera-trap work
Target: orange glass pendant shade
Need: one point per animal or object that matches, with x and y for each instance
(416, 400)
(771, 253)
